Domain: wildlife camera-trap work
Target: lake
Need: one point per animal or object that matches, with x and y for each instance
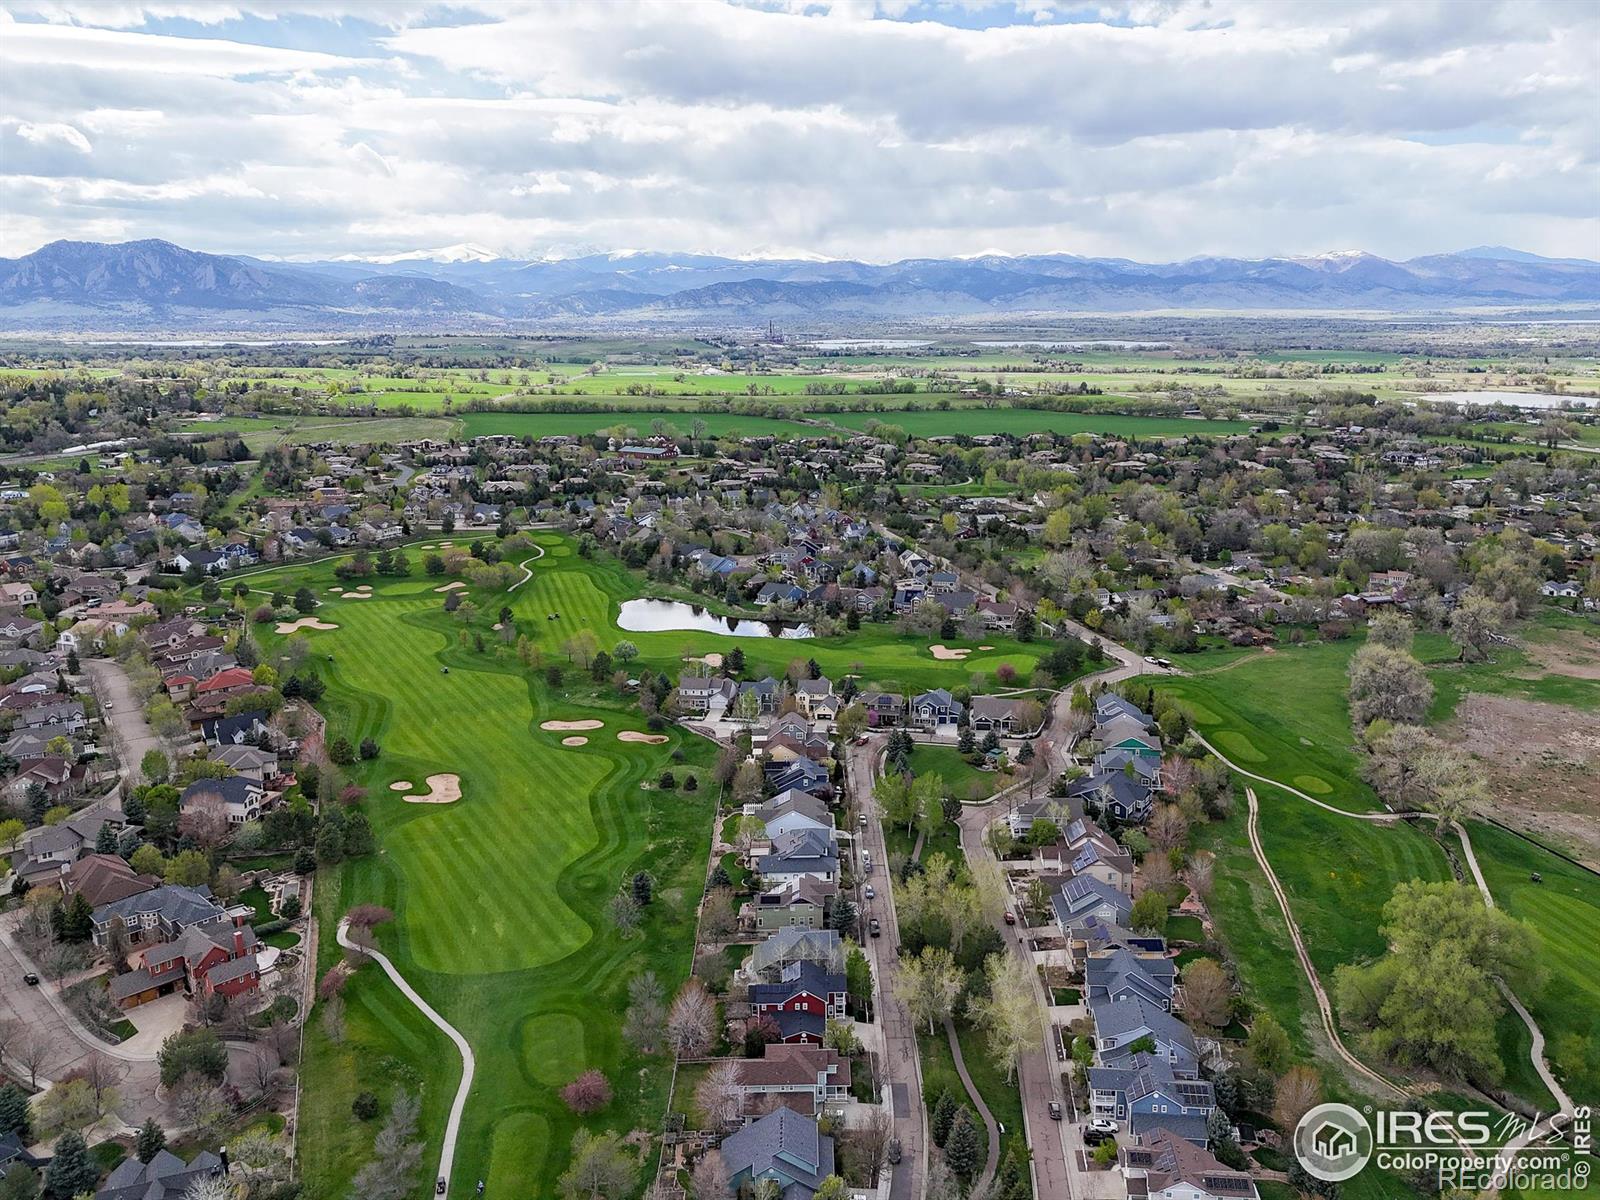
(660, 616)
(1519, 399)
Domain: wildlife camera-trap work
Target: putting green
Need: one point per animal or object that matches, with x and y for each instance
(1313, 784)
(1238, 746)
(553, 1048)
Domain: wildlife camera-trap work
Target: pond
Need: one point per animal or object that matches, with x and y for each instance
(658, 616)
(1517, 399)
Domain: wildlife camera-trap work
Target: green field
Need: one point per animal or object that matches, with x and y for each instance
(1019, 421)
(1565, 909)
(261, 433)
(498, 898)
(961, 779)
(518, 424)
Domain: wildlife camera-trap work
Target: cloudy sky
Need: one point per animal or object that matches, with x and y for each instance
(1151, 129)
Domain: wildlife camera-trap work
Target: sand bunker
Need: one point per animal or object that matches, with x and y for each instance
(450, 587)
(358, 595)
(336, 588)
(575, 740)
(564, 726)
(945, 654)
(401, 785)
(498, 627)
(442, 789)
(633, 735)
(710, 660)
(985, 647)
(304, 623)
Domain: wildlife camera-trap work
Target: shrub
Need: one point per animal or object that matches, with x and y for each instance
(365, 1106)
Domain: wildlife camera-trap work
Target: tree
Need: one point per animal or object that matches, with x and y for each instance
(1207, 994)
(588, 1093)
(1269, 1044)
(147, 860)
(870, 1140)
(930, 985)
(691, 1020)
(1299, 1090)
(1168, 828)
(709, 1180)
(71, 1170)
(192, 1052)
(1432, 999)
(1391, 628)
(718, 1094)
(155, 766)
(396, 1155)
(77, 919)
(189, 868)
(14, 1113)
(940, 1119)
(1149, 914)
(645, 1020)
(1387, 684)
(1009, 1013)
(601, 1169)
(961, 1147)
(1475, 624)
(70, 1104)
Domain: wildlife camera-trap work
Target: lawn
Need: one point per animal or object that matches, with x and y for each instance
(1565, 909)
(939, 1073)
(642, 422)
(499, 897)
(1020, 421)
(961, 779)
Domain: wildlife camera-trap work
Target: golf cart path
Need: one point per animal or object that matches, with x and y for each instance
(1566, 1107)
(447, 1150)
(527, 572)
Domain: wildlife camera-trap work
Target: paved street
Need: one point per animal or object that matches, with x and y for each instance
(902, 1067)
(129, 730)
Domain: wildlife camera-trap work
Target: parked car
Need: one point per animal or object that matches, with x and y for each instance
(894, 1150)
(31, 979)
(869, 893)
(863, 820)
(1101, 1125)
(1152, 660)
(874, 928)
(1011, 918)
(1055, 1110)
(1097, 1137)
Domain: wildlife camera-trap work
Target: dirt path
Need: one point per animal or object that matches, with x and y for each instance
(992, 1162)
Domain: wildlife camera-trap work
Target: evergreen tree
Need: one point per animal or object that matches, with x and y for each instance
(14, 1112)
(105, 842)
(77, 919)
(968, 741)
(71, 1171)
(944, 1112)
(643, 888)
(961, 1147)
(150, 1142)
(358, 839)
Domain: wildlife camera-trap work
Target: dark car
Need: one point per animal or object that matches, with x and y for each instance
(1055, 1111)
(439, 1186)
(874, 928)
(31, 979)
(894, 1150)
(1096, 1137)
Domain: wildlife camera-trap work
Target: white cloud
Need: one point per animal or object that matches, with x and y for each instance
(1168, 129)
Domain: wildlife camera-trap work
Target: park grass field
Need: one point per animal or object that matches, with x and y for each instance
(961, 779)
(1019, 421)
(498, 898)
(262, 433)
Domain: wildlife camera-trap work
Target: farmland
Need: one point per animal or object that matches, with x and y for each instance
(935, 422)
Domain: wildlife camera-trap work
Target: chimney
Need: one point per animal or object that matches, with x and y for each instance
(238, 943)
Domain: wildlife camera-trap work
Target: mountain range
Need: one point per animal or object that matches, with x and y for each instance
(126, 286)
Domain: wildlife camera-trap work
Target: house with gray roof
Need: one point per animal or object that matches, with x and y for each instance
(798, 853)
(158, 915)
(1148, 1095)
(1118, 1024)
(782, 1146)
(164, 1177)
(1084, 896)
(1120, 974)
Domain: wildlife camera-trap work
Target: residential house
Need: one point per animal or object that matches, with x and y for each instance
(935, 708)
(1123, 974)
(786, 947)
(204, 960)
(782, 1146)
(158, 915)
(1000, 714)
(1083, 897)
(803, 775)
(792, 810)
(104, 879)
(697, 694)
(241, 797)
(164, 1177)
(18, 594)
(1149, 1096)
(798, 853)
(884, 709)
(1165, 1166)
(817, 699)
(50, 848)
(806, 1079)
(800, 903)
(1119, 1024)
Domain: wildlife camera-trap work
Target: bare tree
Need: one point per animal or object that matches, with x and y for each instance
(710, 1178)
(1297, 1094)
(31, 1050)
(872, 1140)
(205, 819)
(717, 918)
(1207, 995)
(718, 1093)
(1202, 868)
(103, 1074)
(396, 1154)
(647, 1013)
(691, 1019)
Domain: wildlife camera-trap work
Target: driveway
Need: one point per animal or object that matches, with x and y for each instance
(130, 732)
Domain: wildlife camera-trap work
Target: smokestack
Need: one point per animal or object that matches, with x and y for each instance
(238, 943)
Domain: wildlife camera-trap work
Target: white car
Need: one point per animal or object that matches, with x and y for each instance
(1152, 660)
(868, 892)
(1102, 1125)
